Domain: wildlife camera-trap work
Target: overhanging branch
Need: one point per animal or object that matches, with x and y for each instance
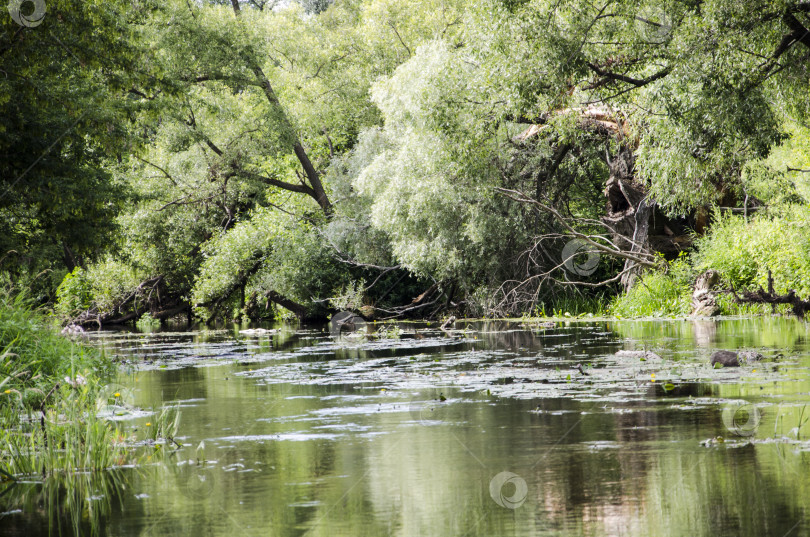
(640, 258)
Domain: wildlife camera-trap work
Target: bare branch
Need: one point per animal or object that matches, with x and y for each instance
(400, 38)
(637, 82)
(641, 258)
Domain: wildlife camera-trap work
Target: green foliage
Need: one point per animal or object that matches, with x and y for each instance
(766, 184)
(571, 305)
(269, 252)
(53, 393)
(64, 112)
(218, 146)
(301, 266)
(49, 428)
(191, 147)
(147, 323)
(743, 252)
(34, 357)
(110, 281)
(351, 297)
(429, 183)
(388, 331)
(103, 285)
(315, 6)
(782, 177)
(697, 103)
(658, 294)
(698, 107)
(74, 294)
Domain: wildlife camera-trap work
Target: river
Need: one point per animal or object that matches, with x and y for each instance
(491, 428)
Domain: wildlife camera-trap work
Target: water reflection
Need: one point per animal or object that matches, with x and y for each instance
(298, 433)
(81, 503)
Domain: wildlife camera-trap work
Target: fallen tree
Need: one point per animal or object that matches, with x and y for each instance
(630, 229)
(150, 296)
(631, 215)
(798, 306)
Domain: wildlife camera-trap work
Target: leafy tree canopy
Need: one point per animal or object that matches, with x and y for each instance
(217, 148)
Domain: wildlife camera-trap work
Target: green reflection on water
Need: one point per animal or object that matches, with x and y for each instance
(361, 444)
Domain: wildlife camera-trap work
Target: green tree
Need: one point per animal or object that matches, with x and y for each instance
(247, 126)
(63, 100)
(665, 105)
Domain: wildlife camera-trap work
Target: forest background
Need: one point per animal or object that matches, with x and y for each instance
(219, 160)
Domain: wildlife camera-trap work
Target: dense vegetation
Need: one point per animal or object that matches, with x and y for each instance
(255, 159)
(57, 426)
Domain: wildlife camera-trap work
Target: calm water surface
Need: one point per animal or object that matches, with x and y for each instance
(485, 430)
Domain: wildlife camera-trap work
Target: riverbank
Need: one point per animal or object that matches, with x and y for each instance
(59, 428)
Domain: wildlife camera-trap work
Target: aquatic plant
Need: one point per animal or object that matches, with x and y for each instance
(389, 331)
(64, 435)
(51, 391)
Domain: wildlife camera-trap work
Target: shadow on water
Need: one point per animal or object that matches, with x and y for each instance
(490, 428)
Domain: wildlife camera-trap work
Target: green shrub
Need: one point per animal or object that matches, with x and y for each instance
(572, 305)
(270, 252)
(102, 285)
(74, 294)
(743, 252)
(350, 297)
(147, 323)
(658, 294)
(110, 282)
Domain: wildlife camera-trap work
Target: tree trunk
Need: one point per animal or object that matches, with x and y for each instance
(298, 310)
(628, 211)
(704, 300)
(637, 224)
(639, 243)
(311, 173)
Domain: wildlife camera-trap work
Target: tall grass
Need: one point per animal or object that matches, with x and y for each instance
(658, 294)
(64, 436)
(51, 390)
(34, 357)
(48, 388)
(52, 421)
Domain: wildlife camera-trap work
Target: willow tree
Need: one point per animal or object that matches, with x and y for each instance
(661, 105)
(247, 109)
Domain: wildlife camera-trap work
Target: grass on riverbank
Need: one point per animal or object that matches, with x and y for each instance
(55, 401)
(34, 357)
(48, 389)
(51, 391)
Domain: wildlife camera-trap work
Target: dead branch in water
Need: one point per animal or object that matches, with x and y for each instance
(760, 296)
